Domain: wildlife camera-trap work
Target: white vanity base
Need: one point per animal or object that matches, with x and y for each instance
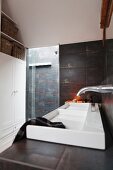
(83, 127)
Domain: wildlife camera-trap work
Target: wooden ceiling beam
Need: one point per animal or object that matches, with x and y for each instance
(110, 11)
(103, 12)
(106, 13)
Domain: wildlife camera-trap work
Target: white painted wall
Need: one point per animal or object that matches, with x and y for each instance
(52, 22)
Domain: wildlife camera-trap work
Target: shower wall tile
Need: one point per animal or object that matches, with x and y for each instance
(72, 49)
(109, 45)
(110, 75)
(94, 46)
(81, 64)
(95, 76)
(80, 59)
(110, 58)
(95, 59)
(71, 75)
(43, 84)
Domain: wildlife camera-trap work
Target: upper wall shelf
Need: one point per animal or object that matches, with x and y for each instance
(10, 38)
(3, 13)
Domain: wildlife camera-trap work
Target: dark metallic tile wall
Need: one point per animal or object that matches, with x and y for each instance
(85, 64)
(43, 82)
(81, 64)
(108, 98)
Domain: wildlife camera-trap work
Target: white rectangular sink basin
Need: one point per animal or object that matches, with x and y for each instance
(83, 127)
(78, 106)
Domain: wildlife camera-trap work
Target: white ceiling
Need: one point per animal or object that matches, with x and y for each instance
(52, 22)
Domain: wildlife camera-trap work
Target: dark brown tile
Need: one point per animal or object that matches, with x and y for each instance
(74, 48)
(110, 59)
(95, 76)
(94, 46)
(95, 60)
(38, 153)
(77, 76)
(109, 45)
(73, 60)
(109, 77)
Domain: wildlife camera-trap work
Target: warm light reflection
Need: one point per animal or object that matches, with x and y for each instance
(76, 99)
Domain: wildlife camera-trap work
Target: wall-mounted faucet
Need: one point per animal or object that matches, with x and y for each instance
(99, 89)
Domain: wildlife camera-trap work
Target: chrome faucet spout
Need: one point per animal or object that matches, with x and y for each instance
(98, 89)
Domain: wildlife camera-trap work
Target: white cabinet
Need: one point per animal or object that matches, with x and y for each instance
(19, 89)
(6, 97)
(12, 98)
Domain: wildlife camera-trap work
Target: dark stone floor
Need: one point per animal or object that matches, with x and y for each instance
(39, 155)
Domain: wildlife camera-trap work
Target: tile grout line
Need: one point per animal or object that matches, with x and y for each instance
(60, 159)
(23, 163)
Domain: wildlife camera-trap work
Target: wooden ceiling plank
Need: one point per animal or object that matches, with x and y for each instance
(110, 11)
(104, 8)
(106, 13)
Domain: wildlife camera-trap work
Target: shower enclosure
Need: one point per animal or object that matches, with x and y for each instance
(42, 85)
